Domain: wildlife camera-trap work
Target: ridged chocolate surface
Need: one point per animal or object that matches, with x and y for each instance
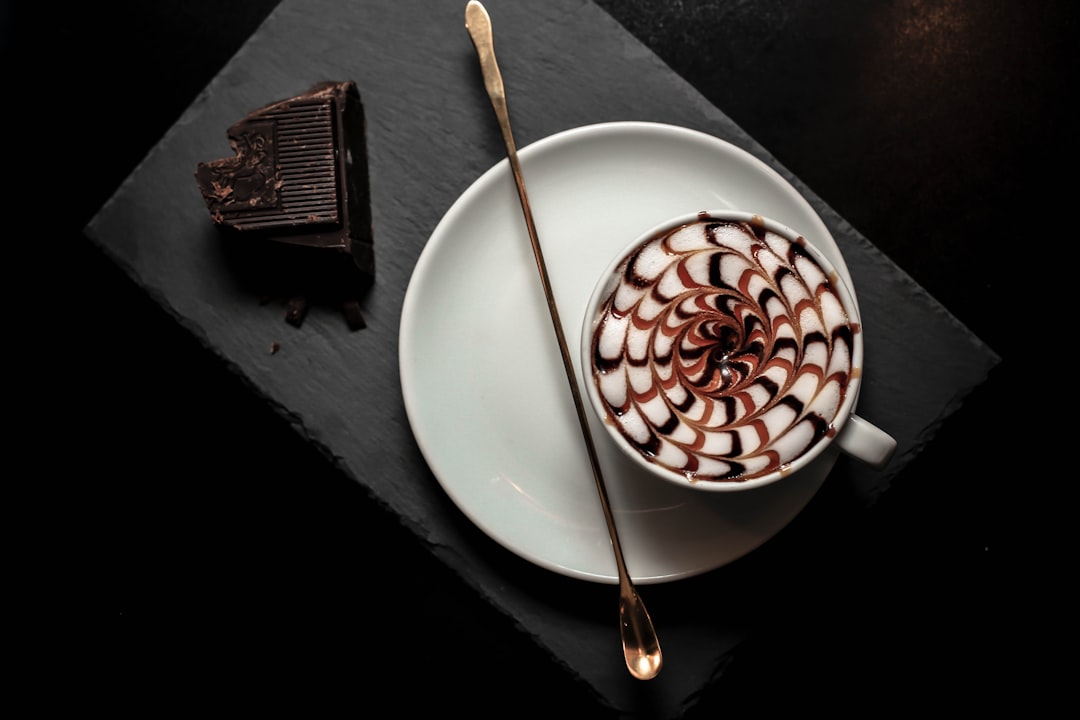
(305, 185)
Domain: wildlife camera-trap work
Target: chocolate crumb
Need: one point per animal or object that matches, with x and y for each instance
(353, 317)
(296, 310)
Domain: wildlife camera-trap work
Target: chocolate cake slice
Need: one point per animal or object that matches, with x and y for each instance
(299, 177)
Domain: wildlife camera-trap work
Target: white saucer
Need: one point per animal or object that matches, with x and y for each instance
(481, 374)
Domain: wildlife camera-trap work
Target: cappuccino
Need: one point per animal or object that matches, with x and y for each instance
(723, 350)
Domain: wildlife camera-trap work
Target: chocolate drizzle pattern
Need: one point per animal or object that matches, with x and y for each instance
(723, 351)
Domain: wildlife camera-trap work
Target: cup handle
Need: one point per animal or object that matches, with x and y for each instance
(866, 442)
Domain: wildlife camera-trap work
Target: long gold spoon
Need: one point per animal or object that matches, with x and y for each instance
(640, 644)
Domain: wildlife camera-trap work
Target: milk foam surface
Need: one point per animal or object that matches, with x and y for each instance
(724, 351)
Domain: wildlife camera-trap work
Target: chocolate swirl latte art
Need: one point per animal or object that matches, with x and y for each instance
(723, 352)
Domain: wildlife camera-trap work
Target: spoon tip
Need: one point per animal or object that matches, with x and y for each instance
(644, 666)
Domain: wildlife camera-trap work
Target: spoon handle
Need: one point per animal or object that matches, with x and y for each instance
(641, 646)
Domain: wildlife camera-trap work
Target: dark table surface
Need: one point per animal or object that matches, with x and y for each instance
(955, 116)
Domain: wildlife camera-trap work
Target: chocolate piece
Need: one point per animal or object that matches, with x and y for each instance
(300, 173)
(300, 178)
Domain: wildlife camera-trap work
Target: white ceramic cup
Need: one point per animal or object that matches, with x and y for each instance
(722, 351)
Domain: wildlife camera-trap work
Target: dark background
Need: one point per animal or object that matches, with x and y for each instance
(943, 131)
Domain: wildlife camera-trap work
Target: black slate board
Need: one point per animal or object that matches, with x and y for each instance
(430, 134)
